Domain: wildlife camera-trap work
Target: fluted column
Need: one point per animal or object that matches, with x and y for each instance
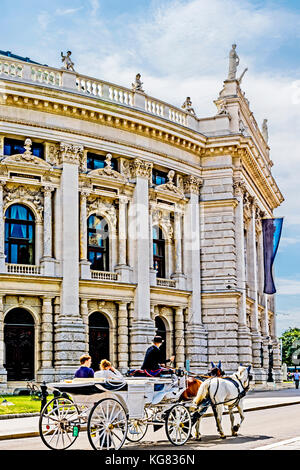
(244, 337)
(2, 230)
(179, 337)
(47, 261)
(123, 337)
(84, 312)
(46, 371)
(178, 273)
(85, 271)
(122, 267)
(196, 336)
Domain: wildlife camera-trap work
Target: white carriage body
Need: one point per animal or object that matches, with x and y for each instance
(134, 392)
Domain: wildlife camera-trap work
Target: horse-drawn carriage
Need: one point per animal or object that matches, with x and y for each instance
(113, 411)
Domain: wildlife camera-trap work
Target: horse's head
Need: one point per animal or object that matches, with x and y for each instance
(245, 376)
(216, 371)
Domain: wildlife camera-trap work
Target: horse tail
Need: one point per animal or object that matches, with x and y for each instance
(202, 392)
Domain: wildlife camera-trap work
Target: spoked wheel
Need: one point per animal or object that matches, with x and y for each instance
(137, 428)
(178, 425)
(59, 423)
(107, 425)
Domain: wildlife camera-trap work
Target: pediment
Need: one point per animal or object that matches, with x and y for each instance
(26, 158)
(170, 188)
(108, 172)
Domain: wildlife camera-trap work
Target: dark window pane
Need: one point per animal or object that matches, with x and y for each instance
(96, 161)
(159, 177)
(14, 147)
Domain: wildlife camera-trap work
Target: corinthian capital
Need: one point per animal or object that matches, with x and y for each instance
(141, 168)
(70, 153)
(192, 184)
(239, 187)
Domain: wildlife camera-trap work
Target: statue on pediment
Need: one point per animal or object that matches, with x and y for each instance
(187, 106)
(264, 130)
(137, 85)
(234, 61)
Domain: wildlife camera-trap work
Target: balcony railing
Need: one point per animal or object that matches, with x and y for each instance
(104, 275)
(23, 269)
(165, 282)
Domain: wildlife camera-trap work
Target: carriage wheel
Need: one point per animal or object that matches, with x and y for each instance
(178, 425)
(59, 423)
(107, 425)
(137, 428)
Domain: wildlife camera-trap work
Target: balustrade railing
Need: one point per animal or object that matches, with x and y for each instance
(23, 269)
(104, 275)
(61, 78)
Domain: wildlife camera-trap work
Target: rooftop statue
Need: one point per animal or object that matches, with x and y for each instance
(67, 62)
(137, 85)
(234, 61)
(264, 130)
(187, 106)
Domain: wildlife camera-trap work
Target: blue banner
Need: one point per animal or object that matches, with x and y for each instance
(271, 235)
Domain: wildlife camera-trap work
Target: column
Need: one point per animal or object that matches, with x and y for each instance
(85, 271)
(142, 329)
(3, 373)
(84, 312)
(256, 337)
(47, 262)
(46, 371)
(70, 332)
(2, 231)
(196, 335)
(151, 268)
(179, 337)
(178, 274)
(122, 267)
(244, 336)
(123, 337)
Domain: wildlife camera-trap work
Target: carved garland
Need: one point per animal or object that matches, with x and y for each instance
(24, 194)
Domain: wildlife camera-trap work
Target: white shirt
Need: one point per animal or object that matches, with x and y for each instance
(108, 374)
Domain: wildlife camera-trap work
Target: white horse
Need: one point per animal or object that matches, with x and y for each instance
(227, 392)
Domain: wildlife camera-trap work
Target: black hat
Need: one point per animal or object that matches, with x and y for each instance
(157, 339)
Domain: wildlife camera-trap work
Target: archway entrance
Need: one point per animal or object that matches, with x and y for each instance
(19, 345)
(98, 339)
(161, 331)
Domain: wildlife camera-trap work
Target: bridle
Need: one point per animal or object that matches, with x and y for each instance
(241, 393)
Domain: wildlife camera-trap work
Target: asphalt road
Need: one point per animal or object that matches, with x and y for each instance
(260, 428)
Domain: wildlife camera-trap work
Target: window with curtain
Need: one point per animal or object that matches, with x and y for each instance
(159, 177)
(19, 235)
(159, 252)
(98, 243)
(14, 147)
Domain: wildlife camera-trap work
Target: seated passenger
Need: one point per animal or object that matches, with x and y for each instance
(108, 371)
(84, 370)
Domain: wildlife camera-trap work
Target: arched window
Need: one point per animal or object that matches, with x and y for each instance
(98, 243)
(161, 331)
(98, 338)
(19, 235)
(19, 344)
(159, 252)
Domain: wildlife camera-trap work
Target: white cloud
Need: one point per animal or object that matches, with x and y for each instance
(66, 11)
(288, 286)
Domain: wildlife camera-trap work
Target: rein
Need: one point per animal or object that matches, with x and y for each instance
(236, 399)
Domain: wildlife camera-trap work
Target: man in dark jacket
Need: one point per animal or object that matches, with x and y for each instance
(153, 357)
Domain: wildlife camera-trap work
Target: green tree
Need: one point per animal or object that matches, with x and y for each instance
(288, 338)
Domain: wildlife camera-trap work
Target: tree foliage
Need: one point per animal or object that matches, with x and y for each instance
(289, 344)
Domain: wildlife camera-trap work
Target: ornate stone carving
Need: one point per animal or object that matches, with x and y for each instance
(247, 202)
(52, 154)
(192, 184)
(187, 106)
(234, 61)
(67, 62)
(24, 194)
(162, 218)
(170, 186)
(104, 207)
(70, 153)
(108, 172)
(238, 187)
(264, 130)
(141, 168)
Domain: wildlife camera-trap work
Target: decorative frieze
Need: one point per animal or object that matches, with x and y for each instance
(24, 194)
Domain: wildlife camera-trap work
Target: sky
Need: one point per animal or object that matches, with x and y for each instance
(181, 48)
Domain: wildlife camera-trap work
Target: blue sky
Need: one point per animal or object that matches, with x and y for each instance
(181, 47)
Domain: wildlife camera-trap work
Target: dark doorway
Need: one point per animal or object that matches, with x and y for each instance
(19, 345)
(98, 339)
(161, 331)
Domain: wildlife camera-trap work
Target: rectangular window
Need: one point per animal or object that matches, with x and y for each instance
(96, 161)
(14, 147)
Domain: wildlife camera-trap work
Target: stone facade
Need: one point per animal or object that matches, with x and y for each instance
(209, 210)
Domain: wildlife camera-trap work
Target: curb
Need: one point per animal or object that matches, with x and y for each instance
(28, 434)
